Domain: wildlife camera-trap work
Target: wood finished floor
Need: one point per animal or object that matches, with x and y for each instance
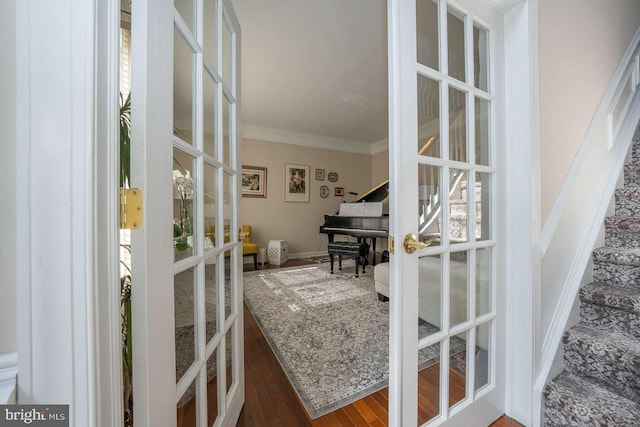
(270, 400)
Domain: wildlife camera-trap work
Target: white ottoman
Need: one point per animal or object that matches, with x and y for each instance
(429, 289)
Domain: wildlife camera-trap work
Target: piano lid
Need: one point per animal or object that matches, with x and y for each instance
(379, 193)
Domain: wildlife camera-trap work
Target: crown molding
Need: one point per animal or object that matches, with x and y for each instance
(505, 5)
(305, 140)
(380, 146)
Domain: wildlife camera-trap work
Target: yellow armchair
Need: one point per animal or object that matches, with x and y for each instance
(248, 247)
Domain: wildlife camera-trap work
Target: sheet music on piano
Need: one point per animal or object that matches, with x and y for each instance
(363, 209)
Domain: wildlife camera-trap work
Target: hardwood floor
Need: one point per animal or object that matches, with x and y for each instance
(271, 400)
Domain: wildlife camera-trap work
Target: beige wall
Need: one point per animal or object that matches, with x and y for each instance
(379, 167)
(581, 43)
(298, 223)
(8, 177)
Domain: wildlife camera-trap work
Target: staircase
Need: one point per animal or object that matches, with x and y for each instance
(600, 385)
(458, 208)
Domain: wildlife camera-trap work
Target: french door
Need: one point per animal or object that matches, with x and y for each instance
(446, 339)
(186, 260)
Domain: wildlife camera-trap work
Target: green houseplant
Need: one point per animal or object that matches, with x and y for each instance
(125, 280)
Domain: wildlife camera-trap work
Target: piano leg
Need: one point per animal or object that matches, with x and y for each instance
(331, 260)
(373, 244)
(358, 266)
(339, 262)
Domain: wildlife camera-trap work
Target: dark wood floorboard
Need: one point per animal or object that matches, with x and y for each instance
(270, 400)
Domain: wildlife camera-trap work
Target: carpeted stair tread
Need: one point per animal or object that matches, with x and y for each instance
(618, 297)
(609, 341)
(628, 192)
(630, 223)
(606, 356)
(570, 400)
(624, 256)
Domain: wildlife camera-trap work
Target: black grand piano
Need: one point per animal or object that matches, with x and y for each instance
(361, 227)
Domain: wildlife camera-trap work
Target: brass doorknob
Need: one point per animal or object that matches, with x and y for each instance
(411, 244)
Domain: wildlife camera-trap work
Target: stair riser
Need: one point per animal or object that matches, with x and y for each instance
(632, 178)
(619, 274)
(610, 318)
(615, 371)
(622, 238)
(635, 150)
(627, 206)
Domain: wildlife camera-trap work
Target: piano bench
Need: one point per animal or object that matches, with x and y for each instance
(359, 250)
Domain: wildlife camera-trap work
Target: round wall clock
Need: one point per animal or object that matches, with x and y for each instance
(324, 191)
(332, 177)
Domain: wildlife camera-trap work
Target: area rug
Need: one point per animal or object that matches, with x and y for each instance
(329, 332)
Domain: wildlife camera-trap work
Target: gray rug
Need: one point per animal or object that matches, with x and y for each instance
(329, 332)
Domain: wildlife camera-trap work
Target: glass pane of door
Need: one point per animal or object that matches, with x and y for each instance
(456, 44)
(428, 383)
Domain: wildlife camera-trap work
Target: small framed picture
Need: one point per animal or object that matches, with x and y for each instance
(319, 174)
(254, 181)
(324, 191)
(296, 180)
(333, 177)
(339, 191)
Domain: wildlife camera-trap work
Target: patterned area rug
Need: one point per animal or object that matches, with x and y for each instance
(329, 332)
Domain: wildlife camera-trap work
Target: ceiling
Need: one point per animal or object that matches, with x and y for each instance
(315, 67)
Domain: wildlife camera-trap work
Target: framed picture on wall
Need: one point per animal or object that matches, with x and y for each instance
(319, 174)
(254, 181)
(296, 185)
(339, 191)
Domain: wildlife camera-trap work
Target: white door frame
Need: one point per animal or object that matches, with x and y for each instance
(56, 216)
(54, 287)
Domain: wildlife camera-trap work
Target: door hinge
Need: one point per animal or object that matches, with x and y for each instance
(390, 242)
(130, 208)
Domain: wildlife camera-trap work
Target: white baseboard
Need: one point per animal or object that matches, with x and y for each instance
(308, 254)
(8, 377)
(249, 260)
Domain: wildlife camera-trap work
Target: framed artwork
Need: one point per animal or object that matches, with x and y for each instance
(324, 191)
(339, 191)
(254, 181)
(319, 174)
(296, 185)
(333, 177)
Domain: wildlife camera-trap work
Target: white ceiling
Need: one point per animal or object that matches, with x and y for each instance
(302, 58)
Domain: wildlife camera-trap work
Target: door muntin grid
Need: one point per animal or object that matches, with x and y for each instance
(460, 147)
(208, 136)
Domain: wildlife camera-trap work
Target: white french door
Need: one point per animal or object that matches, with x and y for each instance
(186, 260)
(446, 332)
